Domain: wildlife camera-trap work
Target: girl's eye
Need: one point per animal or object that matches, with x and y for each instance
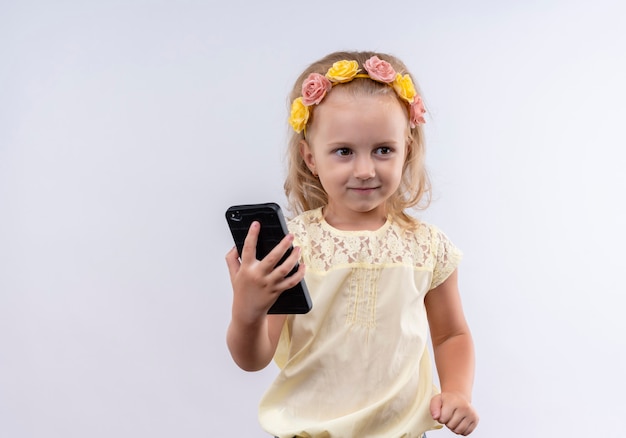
(343, 152)
(384, 150)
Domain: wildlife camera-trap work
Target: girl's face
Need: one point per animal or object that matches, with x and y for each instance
(357, 146)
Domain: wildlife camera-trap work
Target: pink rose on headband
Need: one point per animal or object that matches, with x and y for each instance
(379, 70)
(417, 112)
(314, 88)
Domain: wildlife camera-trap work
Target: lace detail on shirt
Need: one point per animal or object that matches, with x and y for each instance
(325, 248)
(447, 257)
(363, 295)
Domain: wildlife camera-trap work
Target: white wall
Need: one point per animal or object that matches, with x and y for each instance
(127, 128)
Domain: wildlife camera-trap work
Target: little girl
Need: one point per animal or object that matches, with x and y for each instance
(357, 365)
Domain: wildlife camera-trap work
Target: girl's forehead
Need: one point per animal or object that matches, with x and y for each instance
(345, 104)
(342, 94)
(359, 117)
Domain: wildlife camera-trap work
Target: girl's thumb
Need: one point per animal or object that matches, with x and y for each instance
(232, 260)
(435, 407)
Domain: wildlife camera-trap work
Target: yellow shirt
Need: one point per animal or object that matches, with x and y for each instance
(357, 365)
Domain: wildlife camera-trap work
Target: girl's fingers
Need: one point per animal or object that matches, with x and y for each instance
(292, 280)
(284, 283)
(269, 267)
(435, 407)
(248, 251)
(288, 264)
(464, 427)
(273, 257)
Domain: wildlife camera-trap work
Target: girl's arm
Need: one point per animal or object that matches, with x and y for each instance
(454, 357)
(252, 346)
(252, 334)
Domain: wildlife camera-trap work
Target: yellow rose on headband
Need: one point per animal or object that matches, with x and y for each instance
(343, 71)
(299, 115)
(404, 87)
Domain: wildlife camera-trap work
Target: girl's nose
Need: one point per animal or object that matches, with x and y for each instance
(364, 168)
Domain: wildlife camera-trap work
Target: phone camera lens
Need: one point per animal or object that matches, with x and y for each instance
(235, 216)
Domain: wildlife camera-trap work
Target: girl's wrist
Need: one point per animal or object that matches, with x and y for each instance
(458, 393)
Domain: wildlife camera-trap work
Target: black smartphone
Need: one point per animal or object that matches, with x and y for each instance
(273, 229)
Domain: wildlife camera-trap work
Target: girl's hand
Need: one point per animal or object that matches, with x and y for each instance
(455, 411)
(258, 283)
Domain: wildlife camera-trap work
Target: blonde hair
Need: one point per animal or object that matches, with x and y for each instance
(304, 190)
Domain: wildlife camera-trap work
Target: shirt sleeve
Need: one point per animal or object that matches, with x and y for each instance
(446, 256)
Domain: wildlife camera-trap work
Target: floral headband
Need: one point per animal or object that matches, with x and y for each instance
(315, 87)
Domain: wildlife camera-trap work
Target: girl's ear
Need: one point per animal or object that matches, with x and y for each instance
(307, 156)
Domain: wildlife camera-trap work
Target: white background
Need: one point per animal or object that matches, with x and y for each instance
(128, 127)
